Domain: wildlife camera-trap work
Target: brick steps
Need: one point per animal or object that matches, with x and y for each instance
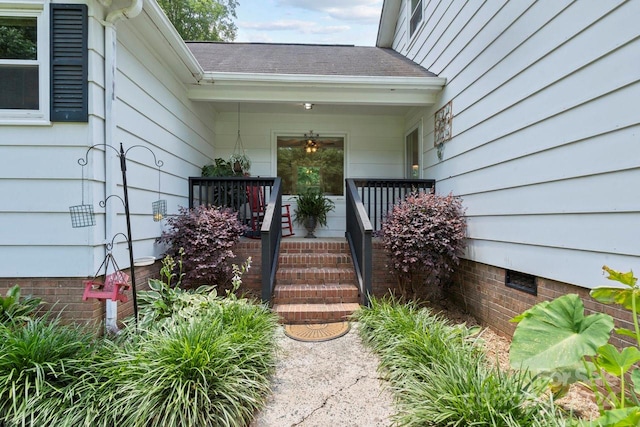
(315, 313)
(315, 294)
(315, 282)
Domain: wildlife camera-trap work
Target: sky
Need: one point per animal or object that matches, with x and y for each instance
(309, 21)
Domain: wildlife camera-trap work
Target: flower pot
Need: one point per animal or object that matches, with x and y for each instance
(310, 224)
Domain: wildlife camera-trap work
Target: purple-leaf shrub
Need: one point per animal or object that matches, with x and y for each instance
(207, 235)
(424, 235)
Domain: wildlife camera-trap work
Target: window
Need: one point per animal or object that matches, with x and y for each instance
(44, 63)
(22, 53)
(301, 168)
(416, 16)
(413, 155)
(521, 281)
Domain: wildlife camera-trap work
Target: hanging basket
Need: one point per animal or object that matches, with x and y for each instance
(82, 216)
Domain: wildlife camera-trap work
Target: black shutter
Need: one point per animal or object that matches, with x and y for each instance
(69, 63)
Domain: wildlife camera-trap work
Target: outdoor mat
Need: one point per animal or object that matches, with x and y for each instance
(317, 332)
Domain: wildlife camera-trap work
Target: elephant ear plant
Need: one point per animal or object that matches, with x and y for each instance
(556, 341)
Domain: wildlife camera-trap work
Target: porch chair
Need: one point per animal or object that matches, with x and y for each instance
(255, 195)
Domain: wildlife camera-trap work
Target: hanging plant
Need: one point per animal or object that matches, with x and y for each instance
(239, 160)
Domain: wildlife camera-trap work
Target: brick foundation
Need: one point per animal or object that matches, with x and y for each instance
(64, 295)
(480, 289)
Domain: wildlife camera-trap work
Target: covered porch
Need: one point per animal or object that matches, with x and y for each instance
(368, 201)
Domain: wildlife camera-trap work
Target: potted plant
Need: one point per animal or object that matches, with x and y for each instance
(312, 209)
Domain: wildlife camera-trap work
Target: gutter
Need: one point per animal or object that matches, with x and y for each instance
(305, 80)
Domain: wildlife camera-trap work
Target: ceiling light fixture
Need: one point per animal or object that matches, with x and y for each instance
(311, 145)
(308, 105)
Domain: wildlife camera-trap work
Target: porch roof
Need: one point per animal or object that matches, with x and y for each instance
(272, 73)
(308, 59)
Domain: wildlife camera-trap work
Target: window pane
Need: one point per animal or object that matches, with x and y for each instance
(413, 155)
(416, 15)
(321, 169)
(19, 89)
(18, 38)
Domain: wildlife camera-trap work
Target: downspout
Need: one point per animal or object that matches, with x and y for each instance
(110, 124)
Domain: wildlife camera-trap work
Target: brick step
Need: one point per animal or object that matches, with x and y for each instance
(301, 246)
(307, 260)
(314, 276)
(315, 294)
(315, 313)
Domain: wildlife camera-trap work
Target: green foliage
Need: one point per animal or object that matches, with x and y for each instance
(323, 170)
(14, 310)
(18, 38)
(209, 20)
(440, 376)
(40, 363)
(220, 167)
(572, 339)
(166, 302)
(210, 370)
(312, 203)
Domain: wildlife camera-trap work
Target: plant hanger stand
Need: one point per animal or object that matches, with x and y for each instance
(122, 154)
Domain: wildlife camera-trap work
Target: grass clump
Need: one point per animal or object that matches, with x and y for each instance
(439, 374)
(210, 369)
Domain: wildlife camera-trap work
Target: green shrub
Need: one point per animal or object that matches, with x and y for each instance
(14, 309)
(40, 363)
(207, 371)
(440, 376)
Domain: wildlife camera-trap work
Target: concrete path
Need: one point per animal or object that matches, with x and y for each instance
(326, 384)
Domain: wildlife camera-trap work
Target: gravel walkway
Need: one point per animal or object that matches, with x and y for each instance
(331, 383)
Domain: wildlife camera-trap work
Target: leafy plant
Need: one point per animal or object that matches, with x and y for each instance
(14, 309)
(220, 167)
(166, 302)
(207, 370)
(424, 235)
(440, 376)
(312, 203)
(240, 163)
(39, 365)
(207, 235)
(557, 341)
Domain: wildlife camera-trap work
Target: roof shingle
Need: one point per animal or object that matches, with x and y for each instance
(329, 60)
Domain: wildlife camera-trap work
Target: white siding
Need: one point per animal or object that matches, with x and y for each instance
(373, 147)
(546, 148)
(40, 176)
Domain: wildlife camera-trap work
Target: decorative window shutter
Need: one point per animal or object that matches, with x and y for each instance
(69, 63)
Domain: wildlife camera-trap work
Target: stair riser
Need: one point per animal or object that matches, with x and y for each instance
(315, 260)
(295, 298)
(314, 317)
(311, 247)
(311, 277)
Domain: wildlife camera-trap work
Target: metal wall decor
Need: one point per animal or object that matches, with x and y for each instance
(443, 124)
(159, 207)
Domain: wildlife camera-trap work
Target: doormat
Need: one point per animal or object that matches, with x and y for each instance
(317, 332)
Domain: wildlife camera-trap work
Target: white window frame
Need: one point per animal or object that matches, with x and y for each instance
(41, 115)
(412, 12)
(417, 127)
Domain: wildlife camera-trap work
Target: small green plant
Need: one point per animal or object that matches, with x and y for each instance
(16, 309)
(166, 300)
(439, 373)
(555, 340)
(311, 210)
